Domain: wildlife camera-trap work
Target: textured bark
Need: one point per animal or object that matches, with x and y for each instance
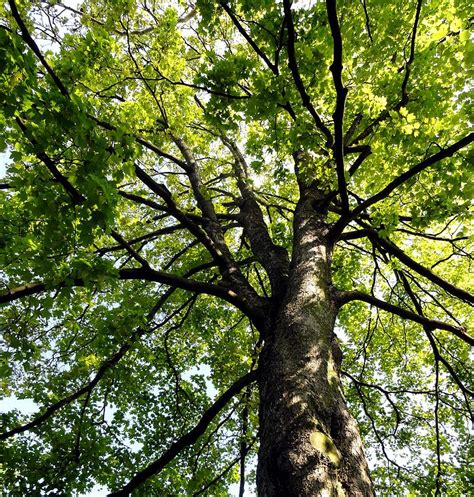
(309, 442)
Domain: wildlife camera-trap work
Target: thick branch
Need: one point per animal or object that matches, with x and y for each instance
(400, 180)
(293, 66)
(247, 37)
(146, 274)
(34, 47)
(22, 291)
(392, 249)
(343, 297)
(163, 192)
(229, 269)
(204, 203)
(183, 283)
(273, 257)
(421, 166)
(341, 94)
(188, 438)
(366, 151)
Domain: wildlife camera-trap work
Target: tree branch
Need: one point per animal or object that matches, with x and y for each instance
(343, 297)
(165, 194)
(144, 238)
(385, 114)
(436, 353)
(188, 438)
(404, 99)
(272, 257)
(71, 190)
(341, 94)
(392, 249)
(133, 253)
(358, 162)
(22, 291)
(143, 273)
(148, 145)
(247, 37)
(404, 177)
(109, 363)
(367, 20)
(34, 47)
(185, 284)
(106, 365)
(293, 66)
(400, 180)
(229, 269)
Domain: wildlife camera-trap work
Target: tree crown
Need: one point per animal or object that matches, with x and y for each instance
(158, 152)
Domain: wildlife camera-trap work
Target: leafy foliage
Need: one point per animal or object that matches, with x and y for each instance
(139, 133)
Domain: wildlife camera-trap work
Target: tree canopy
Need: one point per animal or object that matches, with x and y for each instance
(158, 153)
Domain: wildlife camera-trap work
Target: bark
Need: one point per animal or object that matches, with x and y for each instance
(309, 442)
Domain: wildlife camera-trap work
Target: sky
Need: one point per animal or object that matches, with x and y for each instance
(4, 159)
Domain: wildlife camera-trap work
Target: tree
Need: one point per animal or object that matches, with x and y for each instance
(236, 228)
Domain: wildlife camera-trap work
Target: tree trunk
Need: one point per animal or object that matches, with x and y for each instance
(309, 442)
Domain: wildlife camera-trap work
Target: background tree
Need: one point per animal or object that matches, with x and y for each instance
(198, 199)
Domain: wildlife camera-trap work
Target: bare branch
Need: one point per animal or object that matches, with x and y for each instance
(229, 269)
(147, 237)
